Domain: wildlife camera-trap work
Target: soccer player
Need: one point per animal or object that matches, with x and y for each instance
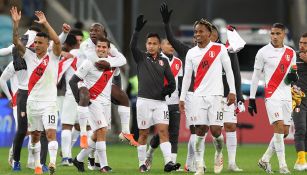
(88, 47)
(151, 106)
(274, 60)
(229, 115)
(300, 117)
(207, 60)
(182, 50)
(42, 72)
(99, 84)
(172, 102)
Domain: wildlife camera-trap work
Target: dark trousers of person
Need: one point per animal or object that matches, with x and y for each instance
(22, 128)
(134, 124)
(173, 129)
(300, 124)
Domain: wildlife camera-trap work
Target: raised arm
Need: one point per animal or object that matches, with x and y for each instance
(52, 34)
(6, 51)
(180, 48)
(7, 74)
(136, 52)
(16, 16)
(62, 37)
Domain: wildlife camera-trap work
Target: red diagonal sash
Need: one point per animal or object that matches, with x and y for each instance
(175, 67)
(37, 73)
(101, 83)
(205, 64)
(279, 73)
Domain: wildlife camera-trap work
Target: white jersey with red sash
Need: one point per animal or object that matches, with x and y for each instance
(98, 82)
(275, 64)
(207, 64)
(176, 68)
(42, 75)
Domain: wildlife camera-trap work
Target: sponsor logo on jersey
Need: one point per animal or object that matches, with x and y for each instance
(288, 57)
(177, 66)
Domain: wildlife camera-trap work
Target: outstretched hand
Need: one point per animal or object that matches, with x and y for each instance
(41, 17)
(165, 13)
(16, 16)
(140, 22)
(66, 28)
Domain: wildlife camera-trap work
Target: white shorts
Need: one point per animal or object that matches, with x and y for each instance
(100, 115)
(229, 112)
(69, 112)
(42, 115)
(188, 109)
(151, 112)
(279, 110)
(208, 110)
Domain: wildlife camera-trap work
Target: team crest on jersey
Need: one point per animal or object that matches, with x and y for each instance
(288, 57)
(161, 62)
(211, 54)
(177, 66)
(45, 62)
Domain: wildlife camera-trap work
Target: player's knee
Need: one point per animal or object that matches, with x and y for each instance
(230, 127)
(143, 134)
(35, 136)
(51, 135)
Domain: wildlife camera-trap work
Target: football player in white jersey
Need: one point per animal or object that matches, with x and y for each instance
(99, 84)
(172, 103)
(207, 60)
(275, 61)
(42, 70)
(88, 47)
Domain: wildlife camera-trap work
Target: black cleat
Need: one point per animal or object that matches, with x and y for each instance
(171, 166)
(106, 169)
(79, 165)
(143, 168)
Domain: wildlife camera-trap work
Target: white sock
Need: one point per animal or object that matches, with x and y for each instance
(280, 149)
(218, 143)
(83, 115)
(124, 114)
(74, 136)
(101, 150)
(36, 150)
(231, 144)
(150, 151)
(85, 152)
(53, 149)
(174, 157)
(30, 153)
(66, 143)
(199, 149)
(96, 157)
(269, 152)
(142, 154)
(190, 153)
(166, 149)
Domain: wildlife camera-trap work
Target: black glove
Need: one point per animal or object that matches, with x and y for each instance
(291, 77)
(140, 22)
(252, 107)
(165, 13)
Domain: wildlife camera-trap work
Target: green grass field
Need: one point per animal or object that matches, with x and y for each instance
(123, 159)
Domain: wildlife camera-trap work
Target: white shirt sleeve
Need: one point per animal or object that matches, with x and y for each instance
(116, 72)
(228, 70)
(6, 51)
(84, 69)
(180, 73)
(259, 61)
(119, 59)
(293, 62)
(7, 74)
(62, 38)
(254, 83)
(188, 69)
